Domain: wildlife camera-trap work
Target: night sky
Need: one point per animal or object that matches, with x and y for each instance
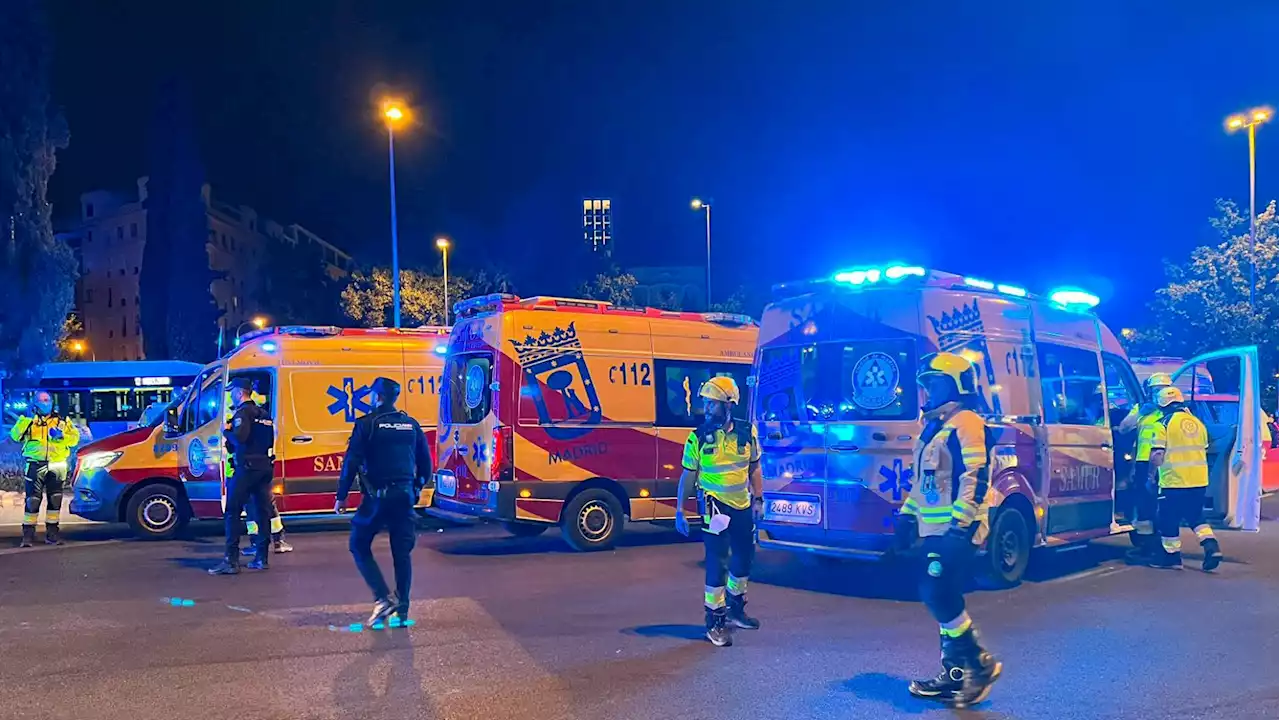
(1028, 142)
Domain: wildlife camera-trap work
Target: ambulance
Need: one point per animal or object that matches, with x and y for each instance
(837, 409)
(314, 380)
(575, 412)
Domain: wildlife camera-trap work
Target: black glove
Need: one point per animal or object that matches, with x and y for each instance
(905, 531)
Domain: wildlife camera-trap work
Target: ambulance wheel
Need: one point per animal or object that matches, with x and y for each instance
(524, 529)
(1008, 548)
(156, 512)
(592, 520)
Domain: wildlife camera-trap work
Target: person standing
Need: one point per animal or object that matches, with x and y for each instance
(1178, 456)
(250, 436)
(722, 459)
(947, 510)
(46, 439)
(1148, 416)
(389, 450)
(278, 543)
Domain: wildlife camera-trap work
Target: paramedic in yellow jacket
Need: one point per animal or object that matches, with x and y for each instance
(722, 456)
(947, 510)
(1178, 456)
(1142, 487)
(46, 439)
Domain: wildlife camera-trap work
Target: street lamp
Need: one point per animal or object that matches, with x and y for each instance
(442, 242)
(698, 204)
(394, 113)
(1251, 120)
(78, 347)
(258, 321)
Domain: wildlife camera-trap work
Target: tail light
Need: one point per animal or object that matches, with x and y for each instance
(502, 467)
(432, 450)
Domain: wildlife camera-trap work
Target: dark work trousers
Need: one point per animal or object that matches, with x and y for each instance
(729, 554)
(1144, 499)
(943, 572)
(43, 480)
(395, 514)
(1177, 506)
(246, 483)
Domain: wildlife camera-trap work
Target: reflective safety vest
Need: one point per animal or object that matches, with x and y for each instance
(1146, 433)
(38, 437)
(1184, 440)
(951, 475)
(723, 462)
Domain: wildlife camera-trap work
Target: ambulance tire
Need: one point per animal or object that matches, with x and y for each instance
(157, 512)
(525, 529)
(1008, 549)
(592, 520)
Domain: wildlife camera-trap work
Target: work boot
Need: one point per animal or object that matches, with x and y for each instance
(717, 628)
(382, 608)
(228, 566)
(738, 616)
(51, 535)
(1167, 561)
(28, 536)
(948, 686)
(278, 545)
(1212, 555)
(1143, 550)
(983, 669)
(261, 559)
(251, 551)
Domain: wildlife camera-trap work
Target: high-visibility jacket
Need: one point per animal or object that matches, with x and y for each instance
(38, 436)
(951, 470)
(1147, 432)
(723, 462)
(1184, 440)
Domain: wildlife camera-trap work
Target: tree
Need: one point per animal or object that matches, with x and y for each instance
(37, 271)
(368, 299)
(295, 286)
(1205, 305)
(179, 318)
(71, 340)
(613, 286)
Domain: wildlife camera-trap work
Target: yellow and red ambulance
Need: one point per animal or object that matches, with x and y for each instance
(314, 380)
(575, 412)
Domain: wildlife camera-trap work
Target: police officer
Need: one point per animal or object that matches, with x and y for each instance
(947, 510)
(46, 439)
(722, 459)
(389, 449)
(1178, 455)
(250, 436)
(1145, 418)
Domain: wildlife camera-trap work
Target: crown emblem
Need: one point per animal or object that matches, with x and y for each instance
(961, 321)
(547, 345)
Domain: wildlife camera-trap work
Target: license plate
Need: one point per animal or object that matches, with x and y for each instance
(805, 511)
(446, 485)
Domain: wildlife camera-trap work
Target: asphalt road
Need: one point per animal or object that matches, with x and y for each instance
(526, 629)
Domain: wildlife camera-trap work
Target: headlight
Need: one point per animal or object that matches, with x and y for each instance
(96, 460)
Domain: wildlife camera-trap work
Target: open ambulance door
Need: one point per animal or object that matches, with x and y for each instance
(1235, 456)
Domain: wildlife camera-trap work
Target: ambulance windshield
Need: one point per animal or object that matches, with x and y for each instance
(468, 396)
(838, 381)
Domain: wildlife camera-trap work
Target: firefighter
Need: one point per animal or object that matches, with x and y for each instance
(722, 459)
(947, 511)
(46, 439)
(1178, 449)
(250, 436)
(389, 450)
(1146, 546)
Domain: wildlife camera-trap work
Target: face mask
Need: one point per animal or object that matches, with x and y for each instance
(44, 407)
(719, 521)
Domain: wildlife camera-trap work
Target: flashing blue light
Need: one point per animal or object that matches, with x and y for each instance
(1074, 298)
(853, 277)
(897, 272)
(270, 346)
(980, 284)
(440, 349)
(1012, 290)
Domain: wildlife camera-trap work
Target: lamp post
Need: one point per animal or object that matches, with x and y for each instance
(698, 204)
(394, 113)
(258, 321)
(1251, 120)
(442, 242)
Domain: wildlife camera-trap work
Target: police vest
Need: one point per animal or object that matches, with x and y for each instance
(723, 462)
(389, 453)
(1184, 440)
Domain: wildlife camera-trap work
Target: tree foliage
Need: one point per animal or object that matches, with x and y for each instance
(295, 287)
(179, 317)
(613, 286)
(37, 271)
(368, 298)
(1205, 305)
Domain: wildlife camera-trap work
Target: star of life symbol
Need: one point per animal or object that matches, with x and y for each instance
(897, 479)
(348, 399)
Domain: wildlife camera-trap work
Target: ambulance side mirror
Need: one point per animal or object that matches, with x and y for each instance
(171, 422)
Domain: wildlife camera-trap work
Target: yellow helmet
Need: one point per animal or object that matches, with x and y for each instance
(1168, 396)
(953, 366)
(722, 388)
(1158, 380)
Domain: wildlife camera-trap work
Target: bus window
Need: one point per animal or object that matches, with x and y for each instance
(839, 381)
(678, 403)
(1072, 386)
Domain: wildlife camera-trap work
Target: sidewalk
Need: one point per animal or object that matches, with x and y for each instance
(11, 511)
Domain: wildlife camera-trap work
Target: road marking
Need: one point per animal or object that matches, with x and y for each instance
(1102, 571)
